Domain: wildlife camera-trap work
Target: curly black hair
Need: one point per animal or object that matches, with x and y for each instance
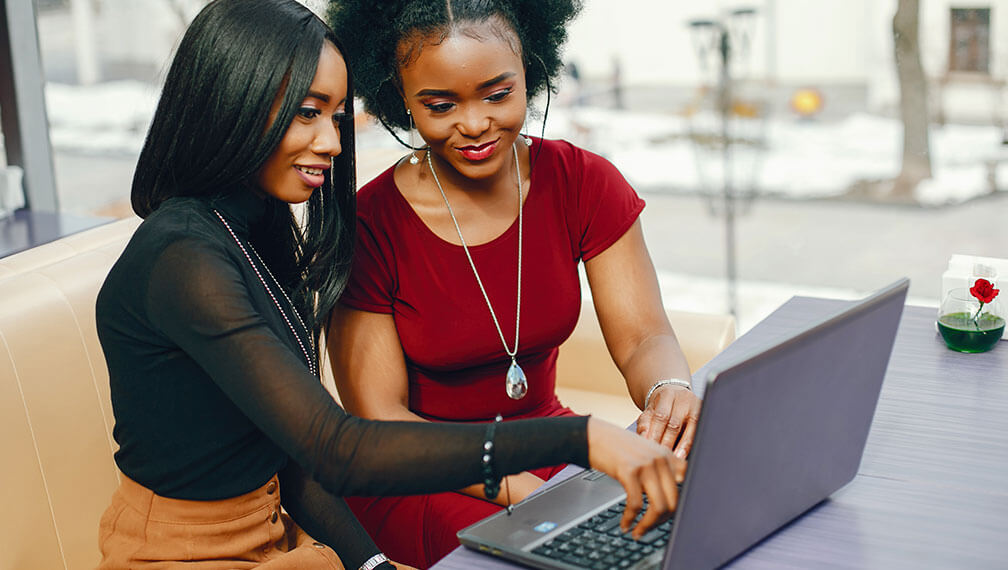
(372, 32)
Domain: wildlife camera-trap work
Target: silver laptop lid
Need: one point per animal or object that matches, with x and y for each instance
(781, 429)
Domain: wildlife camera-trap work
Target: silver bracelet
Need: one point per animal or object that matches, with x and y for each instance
(373, 562)
(665, 382)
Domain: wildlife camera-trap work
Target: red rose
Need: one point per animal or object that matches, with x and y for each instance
(984, 291)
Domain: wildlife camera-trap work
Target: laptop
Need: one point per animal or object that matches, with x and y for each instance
(781, 428)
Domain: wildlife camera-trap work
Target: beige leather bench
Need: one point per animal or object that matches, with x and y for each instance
(55, 414)
(588, 380)
(56, 419)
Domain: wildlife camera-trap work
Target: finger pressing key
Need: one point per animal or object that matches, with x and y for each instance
(669, 477)
(634, 502)
(679, 468)
(657, 509)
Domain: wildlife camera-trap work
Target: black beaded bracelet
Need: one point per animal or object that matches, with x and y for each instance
(491, 482)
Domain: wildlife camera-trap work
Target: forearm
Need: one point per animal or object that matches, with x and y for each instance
(399, 458)
(326, 518)
(519, 485)
(658, 378)
(655, 358)
(628, 302)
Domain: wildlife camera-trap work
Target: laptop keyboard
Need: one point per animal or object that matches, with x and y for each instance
(598, 543)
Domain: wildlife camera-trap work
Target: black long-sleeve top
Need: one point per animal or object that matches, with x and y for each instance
(212, 393)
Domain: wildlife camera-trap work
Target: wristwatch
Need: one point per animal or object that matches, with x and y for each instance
(374, 562)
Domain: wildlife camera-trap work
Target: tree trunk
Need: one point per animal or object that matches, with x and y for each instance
(913, 100)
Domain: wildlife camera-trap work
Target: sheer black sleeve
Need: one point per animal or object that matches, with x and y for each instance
(325, 517)
(197, 297)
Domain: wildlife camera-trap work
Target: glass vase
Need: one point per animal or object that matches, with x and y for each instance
(967, 326)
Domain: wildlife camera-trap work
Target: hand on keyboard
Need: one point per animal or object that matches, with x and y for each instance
(641, 466)
(598, 543)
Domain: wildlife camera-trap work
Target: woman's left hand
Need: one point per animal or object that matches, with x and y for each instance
(671, 419)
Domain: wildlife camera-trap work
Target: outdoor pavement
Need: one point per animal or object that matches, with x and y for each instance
(830, 248)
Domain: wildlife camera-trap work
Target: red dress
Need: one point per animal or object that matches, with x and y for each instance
(577, 206)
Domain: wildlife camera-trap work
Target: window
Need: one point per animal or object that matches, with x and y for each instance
(969, 40)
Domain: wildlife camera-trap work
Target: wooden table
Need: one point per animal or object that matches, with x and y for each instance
(932, 490)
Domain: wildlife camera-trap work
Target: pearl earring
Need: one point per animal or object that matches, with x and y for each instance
(413, 159)
(525, 138)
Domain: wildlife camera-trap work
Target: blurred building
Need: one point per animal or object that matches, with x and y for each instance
(841, 47)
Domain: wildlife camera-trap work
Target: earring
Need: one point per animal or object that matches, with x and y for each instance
(413, 159)
(332, 173)
(525, 138)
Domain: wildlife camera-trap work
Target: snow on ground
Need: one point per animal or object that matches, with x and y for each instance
(107, 118)
(789, 158)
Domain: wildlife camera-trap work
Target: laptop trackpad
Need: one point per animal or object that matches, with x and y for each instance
(568, 503)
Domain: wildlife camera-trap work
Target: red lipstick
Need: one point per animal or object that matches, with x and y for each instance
(476, 153)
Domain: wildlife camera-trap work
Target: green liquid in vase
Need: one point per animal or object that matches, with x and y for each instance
(962, 334)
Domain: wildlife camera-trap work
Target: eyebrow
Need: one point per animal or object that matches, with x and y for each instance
(483, 85)
(322, 97)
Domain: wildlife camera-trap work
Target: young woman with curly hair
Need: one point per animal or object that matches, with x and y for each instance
(210, 319)
(465, 279)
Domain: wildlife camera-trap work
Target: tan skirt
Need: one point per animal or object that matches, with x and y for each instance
(144, 530)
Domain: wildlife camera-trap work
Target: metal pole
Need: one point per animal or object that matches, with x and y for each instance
(726, 160)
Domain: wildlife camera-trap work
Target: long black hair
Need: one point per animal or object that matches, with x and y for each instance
(211, 134)
(373, 31)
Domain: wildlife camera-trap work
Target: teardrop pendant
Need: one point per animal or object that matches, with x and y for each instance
(517, 385)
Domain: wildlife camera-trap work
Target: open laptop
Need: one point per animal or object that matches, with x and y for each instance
(781, 428)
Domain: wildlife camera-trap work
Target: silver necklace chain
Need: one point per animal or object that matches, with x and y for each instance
(511, 353)
(312, 366)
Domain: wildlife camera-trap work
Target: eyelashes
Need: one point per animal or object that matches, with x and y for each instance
(498, 96)
(311, 113)
(308, 112)
(441, 107)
